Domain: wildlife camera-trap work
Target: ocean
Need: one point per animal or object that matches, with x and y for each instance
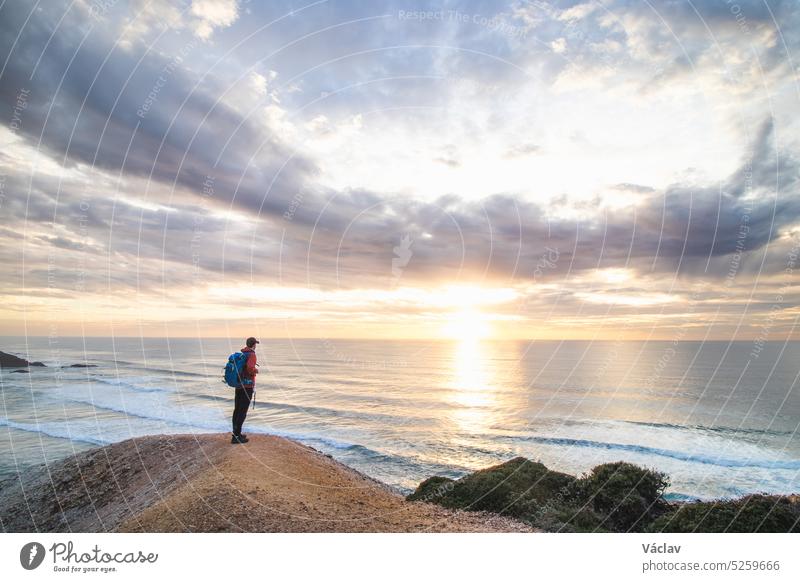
(719, 417)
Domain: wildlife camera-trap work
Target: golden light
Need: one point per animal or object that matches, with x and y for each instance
(467, 322)
(615, 275)
(641, 300)
(467, 325)
(473, 389)
(470, 297)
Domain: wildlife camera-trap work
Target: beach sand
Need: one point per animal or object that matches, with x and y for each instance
(202, 483)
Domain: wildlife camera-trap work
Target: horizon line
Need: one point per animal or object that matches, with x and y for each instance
(421, 339)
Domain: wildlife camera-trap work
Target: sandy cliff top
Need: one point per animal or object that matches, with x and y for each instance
(202, 483)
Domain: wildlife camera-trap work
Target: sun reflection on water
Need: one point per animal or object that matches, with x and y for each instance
(473, 386)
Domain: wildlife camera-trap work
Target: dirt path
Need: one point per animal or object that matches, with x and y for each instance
(202, 483)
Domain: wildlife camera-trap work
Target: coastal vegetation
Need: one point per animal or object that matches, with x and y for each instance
(612, 497)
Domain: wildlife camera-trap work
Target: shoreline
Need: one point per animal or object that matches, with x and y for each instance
(202, 483)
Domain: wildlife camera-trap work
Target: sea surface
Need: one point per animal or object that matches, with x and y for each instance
(720, 418)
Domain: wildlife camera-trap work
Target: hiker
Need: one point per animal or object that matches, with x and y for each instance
(244, 394)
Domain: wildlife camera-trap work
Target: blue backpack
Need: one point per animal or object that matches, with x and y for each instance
(234, 370)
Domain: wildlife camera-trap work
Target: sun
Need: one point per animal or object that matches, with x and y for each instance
(467, 325)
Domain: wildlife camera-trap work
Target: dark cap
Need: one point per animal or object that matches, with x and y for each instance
(251, 341)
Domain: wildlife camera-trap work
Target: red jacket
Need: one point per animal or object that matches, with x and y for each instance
(250, 369)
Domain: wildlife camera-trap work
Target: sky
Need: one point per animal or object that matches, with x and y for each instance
(622, 169)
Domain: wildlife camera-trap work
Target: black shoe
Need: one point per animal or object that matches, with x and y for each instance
(241, 439)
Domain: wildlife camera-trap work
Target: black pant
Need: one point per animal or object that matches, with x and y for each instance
(240, 405)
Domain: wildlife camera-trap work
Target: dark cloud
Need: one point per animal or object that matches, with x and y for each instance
(85, 96)
(347, 239)
(91, 102)
(502, 236)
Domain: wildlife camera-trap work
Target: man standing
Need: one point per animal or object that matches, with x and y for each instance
(244, 394)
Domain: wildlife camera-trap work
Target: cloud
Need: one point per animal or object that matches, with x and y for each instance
(501, 237)
(139, 168)
(211, 14)
(522, 150)
(715, 47)
(146, 20)
(578, 12)
(143, 114)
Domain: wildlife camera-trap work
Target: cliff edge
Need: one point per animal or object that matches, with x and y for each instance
(202, 483)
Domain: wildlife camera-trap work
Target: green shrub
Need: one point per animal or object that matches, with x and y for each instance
(431, 489)
(565, 518)
(629, 497)
(750, 514)
(518, 488)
